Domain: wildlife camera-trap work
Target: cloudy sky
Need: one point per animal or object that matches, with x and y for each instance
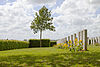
(70, 16)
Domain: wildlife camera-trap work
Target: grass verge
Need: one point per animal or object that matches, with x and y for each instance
(50, 57)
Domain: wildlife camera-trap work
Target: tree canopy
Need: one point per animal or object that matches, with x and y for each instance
(42, 21)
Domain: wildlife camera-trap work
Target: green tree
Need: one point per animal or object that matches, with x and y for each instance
(42, 21)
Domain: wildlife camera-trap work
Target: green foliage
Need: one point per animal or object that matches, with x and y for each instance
(36, 42)
(42, 21)
(52, 43)
(12, 44)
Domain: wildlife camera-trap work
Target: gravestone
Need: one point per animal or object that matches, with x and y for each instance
(68, 38)
(93, 41)
(99, 40)
(96, 39)
(75, 36)
(72, 39)
(88, 41)
(63, 40)
(85, 39)
(81, 36)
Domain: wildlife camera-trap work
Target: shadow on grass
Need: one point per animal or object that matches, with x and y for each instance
(55, 60)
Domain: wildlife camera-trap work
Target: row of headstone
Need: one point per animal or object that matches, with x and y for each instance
(82, 35)
(94, 40)
(63, 40)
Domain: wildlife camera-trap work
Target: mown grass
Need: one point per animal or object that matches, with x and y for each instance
(50, 57)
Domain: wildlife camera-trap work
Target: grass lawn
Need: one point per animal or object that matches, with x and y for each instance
(50, 57)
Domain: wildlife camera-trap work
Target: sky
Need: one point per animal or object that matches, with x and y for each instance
(69, 17)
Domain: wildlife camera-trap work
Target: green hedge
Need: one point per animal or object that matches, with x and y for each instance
(36, 43)
(13, 44)
(52, 43)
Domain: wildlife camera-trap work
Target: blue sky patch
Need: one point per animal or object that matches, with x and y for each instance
(3, 2)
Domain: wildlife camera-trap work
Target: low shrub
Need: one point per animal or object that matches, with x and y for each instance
(52, 43)
(36, 42)
(13, 44)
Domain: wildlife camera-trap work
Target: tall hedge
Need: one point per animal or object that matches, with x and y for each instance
(36, 42)
(52, 43)
(13, 44)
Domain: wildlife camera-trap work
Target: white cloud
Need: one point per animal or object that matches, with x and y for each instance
(15, 18)
(76, 16)
(41, 1)
(95, 1)
(50, 3)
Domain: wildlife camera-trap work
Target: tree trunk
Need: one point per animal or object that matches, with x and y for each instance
(40, 38)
